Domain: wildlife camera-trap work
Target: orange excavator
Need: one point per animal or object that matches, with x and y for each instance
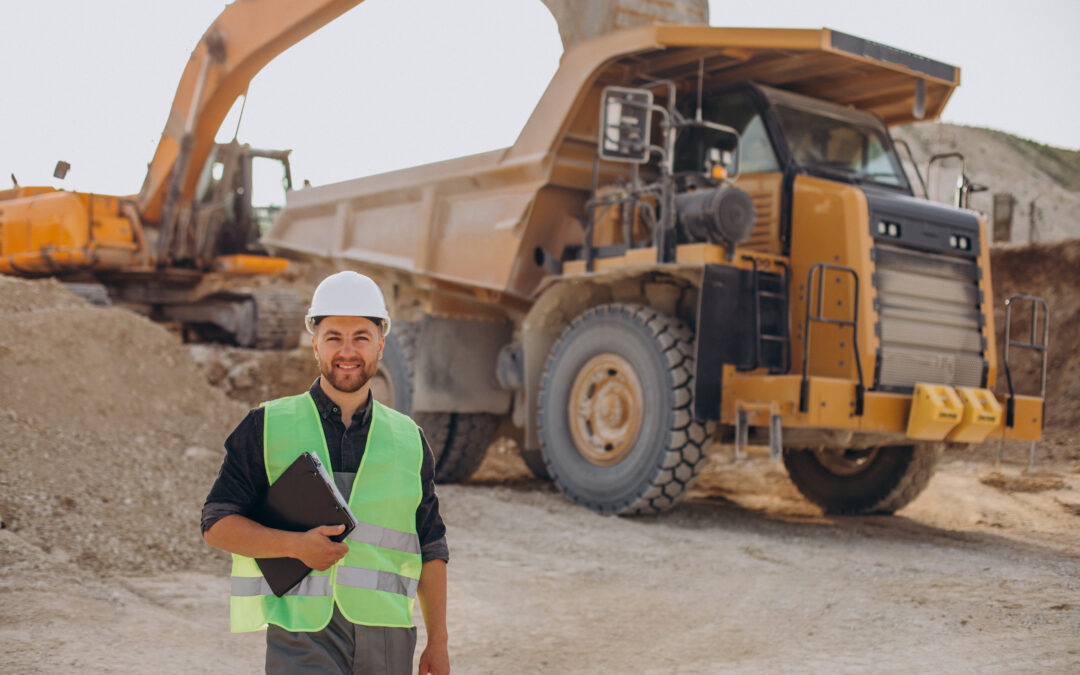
(181, 250)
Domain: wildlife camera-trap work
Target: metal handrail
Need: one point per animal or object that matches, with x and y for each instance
(1042, 348)
(1032, 344)
(804, 386)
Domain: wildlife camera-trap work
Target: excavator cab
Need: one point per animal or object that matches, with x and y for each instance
(242, 189)
(271, 181)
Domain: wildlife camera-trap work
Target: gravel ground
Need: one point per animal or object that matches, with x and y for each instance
(743, 577)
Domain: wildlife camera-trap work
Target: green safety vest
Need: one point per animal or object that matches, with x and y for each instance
(375, 583)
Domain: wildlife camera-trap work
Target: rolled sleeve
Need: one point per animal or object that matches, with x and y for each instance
(435, 550)
(429, 522)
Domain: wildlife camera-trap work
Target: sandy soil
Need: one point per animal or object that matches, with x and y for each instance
(980, 574)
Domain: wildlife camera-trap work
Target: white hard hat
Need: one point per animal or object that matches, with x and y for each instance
(347, 294)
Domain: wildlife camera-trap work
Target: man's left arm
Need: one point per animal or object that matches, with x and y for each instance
(435, 659)
(431, 591)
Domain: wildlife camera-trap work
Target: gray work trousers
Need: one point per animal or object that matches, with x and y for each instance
(343, 646)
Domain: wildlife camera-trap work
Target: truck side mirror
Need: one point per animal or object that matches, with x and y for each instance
(625, 124)
(61, 170)
(946, 178)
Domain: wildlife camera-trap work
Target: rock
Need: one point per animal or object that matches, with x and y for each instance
(243, 376)
(200, 453)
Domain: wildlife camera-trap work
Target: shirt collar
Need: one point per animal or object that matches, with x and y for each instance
(330, 410)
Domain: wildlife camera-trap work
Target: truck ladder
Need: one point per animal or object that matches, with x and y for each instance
(1035, 345)
(778, 298)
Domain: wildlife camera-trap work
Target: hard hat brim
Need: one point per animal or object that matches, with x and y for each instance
(310, 321)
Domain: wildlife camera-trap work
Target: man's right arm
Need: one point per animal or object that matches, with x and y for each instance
(243, 536)
(241, 482)
(240, 485)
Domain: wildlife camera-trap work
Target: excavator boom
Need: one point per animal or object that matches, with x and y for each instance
(179, 251)
(246, 36)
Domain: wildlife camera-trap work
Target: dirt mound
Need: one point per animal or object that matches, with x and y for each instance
(253, 376)
(18, 296)
(109, 433)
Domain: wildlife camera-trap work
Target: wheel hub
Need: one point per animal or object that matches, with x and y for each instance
(605, 409)
(845, 462)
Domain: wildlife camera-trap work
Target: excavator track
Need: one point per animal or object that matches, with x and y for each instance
(279, 318)
(95, 294)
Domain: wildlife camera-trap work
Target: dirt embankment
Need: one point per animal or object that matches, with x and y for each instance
(1044, 180)
(1052, 272)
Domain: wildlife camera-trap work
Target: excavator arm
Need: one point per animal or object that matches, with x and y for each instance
(246, 36)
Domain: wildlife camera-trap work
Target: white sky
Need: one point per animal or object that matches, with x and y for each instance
(394, 83)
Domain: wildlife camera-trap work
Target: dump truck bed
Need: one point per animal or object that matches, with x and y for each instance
(472, 224)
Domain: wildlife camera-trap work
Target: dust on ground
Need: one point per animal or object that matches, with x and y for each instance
(112, 435)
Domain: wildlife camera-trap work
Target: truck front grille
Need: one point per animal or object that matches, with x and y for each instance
(929, 320)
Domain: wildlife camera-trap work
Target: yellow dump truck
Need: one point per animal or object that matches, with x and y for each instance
(701, 233)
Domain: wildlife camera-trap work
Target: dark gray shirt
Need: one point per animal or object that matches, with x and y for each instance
(241, 482)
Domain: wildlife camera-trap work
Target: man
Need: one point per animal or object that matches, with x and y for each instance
(356, 617)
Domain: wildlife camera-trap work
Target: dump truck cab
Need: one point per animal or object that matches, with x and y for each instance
(924, 285)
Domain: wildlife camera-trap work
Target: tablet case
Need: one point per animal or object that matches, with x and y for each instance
(303, 497)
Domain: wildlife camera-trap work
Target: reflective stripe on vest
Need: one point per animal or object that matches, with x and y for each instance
(358, 577)
(309, 585)
(375, 583)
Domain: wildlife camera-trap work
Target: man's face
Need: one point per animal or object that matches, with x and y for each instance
(348, 349)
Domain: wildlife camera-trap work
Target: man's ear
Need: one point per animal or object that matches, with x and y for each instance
(315, 346)
(382, 344)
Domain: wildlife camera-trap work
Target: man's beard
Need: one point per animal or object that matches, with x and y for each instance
(348, 382)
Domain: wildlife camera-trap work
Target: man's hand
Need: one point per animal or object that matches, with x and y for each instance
(236, 534)
(435, 659)
(315, 549)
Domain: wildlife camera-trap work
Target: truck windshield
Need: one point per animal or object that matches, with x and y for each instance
(838, 146)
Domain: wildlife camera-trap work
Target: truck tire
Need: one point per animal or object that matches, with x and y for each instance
(457, 441)
(615, 414)
(392, 383)
(534, 459)
(879, 480)
(469, 436)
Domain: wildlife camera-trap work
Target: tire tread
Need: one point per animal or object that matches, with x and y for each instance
(893, 492)
(685, 455)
